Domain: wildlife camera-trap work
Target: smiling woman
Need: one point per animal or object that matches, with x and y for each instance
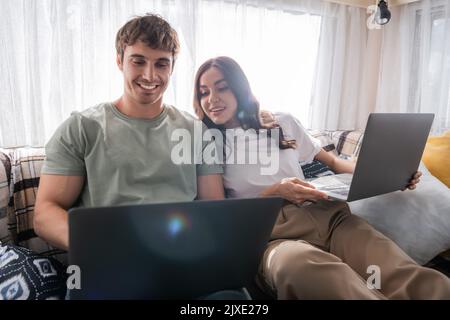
(217, 98)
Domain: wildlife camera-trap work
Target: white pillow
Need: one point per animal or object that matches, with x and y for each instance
(418, 221)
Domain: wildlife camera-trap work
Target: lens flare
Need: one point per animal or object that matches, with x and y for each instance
(177, 222)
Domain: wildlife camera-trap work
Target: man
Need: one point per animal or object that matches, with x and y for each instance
(120, 153)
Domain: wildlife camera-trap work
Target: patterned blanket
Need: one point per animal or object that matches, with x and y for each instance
(23, 180)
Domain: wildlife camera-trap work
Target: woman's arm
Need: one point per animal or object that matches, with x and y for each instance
(335, 164)
(347, 166)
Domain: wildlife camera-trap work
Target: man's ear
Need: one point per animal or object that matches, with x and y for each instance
(119, 62)
(173, 65)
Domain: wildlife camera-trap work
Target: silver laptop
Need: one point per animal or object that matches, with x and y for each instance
(180, 250)
(390, 154)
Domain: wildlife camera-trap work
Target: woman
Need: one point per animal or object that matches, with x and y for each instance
(318, 249)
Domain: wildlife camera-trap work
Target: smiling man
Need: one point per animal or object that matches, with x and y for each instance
(118, 153)
(146, 72)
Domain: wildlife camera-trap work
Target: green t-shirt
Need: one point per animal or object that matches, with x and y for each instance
(126, 160)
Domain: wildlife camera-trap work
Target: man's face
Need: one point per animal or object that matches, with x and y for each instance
(146, 73)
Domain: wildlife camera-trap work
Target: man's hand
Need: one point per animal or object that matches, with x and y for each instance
(414, 181)
(295, 191)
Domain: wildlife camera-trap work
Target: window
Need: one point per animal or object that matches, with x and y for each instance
(429, 86)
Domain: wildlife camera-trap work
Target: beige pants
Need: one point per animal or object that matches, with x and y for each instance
(322, 251)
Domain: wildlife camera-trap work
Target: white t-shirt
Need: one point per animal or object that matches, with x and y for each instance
(249, 178)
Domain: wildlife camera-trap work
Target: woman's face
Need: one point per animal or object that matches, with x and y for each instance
(217, 100)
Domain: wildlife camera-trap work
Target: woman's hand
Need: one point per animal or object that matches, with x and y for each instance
(414, 181)
(295, 191)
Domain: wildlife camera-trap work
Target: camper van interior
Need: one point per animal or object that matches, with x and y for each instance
(121, 104)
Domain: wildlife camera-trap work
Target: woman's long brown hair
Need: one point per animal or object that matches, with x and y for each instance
(248, 112)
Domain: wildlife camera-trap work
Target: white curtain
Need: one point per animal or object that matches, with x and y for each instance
(402, 67)
(58, 56)
(347, 69)
(314, 59)
(415, 62)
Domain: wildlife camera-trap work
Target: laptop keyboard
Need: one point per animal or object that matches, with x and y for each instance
(339, 184)
(341, 190)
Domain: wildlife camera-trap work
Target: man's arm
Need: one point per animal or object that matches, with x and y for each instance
(210, 187)
(56, 194)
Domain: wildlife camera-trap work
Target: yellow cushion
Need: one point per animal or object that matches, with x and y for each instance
(437, 157)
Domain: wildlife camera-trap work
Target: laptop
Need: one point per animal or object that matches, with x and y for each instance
(390, 154)
(181, 250)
